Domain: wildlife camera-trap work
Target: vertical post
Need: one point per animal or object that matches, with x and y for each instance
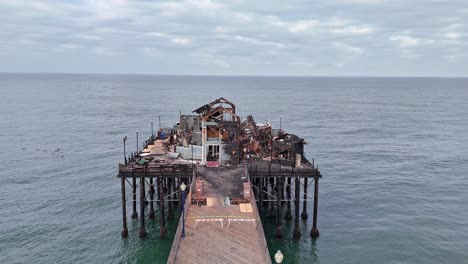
(142, 207)
(288, 215)
(260, 194)
(279, 227)
(152, 131)
(134, 214)
(125, 155)
(144, 187)
(314, 232)
(151, 192)
(169, 204)
(158, 190)
(297, 231)
(304, 214)
(138, 150)
(179, 183)
(182, 190)
(272, 189)
(124, 209)
(280, 122)
(162, 230)
(159, 117)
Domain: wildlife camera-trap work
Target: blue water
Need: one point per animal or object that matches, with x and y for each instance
(393, 153)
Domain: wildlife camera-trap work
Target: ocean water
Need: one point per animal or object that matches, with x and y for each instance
(393, 153)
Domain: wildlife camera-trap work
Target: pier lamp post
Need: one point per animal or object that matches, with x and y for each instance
(280, 121)
(279, 257)
(125, 155)
(152, 131)
(182, 188)
(137, 141)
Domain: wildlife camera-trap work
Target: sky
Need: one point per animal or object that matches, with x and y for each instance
(207, 37)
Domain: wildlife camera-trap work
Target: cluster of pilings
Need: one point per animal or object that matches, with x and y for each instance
(154, 186)
(275, 189)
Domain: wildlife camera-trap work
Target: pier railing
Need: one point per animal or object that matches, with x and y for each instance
(259, 229)
(177, 236)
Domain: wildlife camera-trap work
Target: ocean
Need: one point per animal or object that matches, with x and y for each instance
(393, 153)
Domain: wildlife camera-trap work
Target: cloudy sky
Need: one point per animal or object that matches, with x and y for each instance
(333, 37)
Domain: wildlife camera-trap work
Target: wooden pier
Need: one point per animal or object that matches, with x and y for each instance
(219, 194)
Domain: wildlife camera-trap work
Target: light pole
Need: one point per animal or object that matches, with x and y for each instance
(280, 122)
(152, 133)
(279, 257)
(137, 141)
(125, 155)
(182, 188)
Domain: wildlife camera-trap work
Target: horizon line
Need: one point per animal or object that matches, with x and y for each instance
(241, 75)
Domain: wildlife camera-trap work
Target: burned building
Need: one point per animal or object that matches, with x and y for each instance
(214, 135)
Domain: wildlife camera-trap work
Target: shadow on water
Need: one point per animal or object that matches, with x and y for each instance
(303, 250)
(151, 249)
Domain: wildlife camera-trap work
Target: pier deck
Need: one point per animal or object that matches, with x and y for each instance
(221, 169)
(220, 232)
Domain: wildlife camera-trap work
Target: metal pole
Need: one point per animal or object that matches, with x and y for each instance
(192, 157)
(260, 194)
(280, 122)
(137, 143)
(159, 117)
(314, 232)
(125, 155)
(183, 213)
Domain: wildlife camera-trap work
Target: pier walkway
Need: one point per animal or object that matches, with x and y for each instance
(216, 230)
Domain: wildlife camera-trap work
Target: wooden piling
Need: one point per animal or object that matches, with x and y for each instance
(272, 191)
(151, 193)
(297, 231)
(279, 227)
(304, 214)
(124, 210)
(288, 215)
(134, 214)
(314, 232)
(142, 207)
(162, 229)
(170, 215)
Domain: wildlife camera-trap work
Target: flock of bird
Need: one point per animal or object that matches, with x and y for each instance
(57, 151)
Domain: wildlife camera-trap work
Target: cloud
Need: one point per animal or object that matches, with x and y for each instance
(303, 26)
(410, 42)
(237, 36)
(354, 30)
(181, 41)
(188, 6)
(352, 50)
(365, 2)
(254, 41)
(110, 9)
(178, 40)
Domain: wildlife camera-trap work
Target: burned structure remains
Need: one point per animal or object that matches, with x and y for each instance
(232, 168)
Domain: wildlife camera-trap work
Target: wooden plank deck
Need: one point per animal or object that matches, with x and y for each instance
(234, 241)
(211, 243)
